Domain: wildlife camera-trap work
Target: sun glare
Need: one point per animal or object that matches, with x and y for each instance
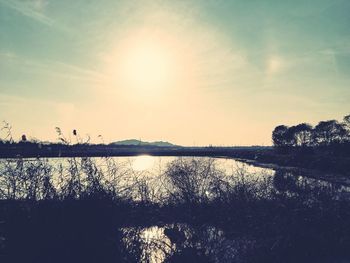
(145, 65)
(150, 64)
(148, 67)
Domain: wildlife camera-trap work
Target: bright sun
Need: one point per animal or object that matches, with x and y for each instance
(149, 65)
(145, 65)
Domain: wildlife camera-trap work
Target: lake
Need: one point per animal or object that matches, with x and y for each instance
(150, 178)
(150, 170)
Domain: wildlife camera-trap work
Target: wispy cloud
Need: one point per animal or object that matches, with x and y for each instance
(7, 55)
(51, 68)
(92, 74)
(32, 9)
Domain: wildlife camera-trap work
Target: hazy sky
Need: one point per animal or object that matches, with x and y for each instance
(189, 72)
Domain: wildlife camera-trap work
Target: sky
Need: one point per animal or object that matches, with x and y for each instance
(189, 72)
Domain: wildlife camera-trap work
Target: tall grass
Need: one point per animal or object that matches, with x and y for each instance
(191, 181)
(101, 199)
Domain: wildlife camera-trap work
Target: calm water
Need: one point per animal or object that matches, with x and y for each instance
(154, 165)
(129, 175)
(160, 243)
(131, 169)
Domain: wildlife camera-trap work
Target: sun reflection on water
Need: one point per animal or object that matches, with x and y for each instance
(142, 162)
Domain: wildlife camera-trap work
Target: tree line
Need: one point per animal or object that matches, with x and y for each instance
(325, 133)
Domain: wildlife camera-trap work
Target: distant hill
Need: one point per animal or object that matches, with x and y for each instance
(142, 143)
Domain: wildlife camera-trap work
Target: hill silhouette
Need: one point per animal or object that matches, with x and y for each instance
(143, 143)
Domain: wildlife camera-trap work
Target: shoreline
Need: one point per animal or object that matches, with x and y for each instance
(311, 173)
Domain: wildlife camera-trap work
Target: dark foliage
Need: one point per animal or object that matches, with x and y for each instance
(325, 134)
(81, 212)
